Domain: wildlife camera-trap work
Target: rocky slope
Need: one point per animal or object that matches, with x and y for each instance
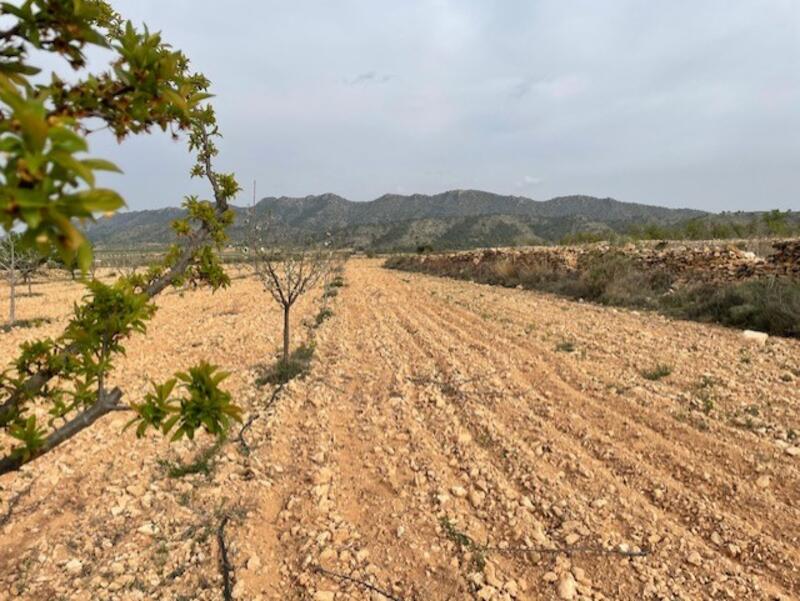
(454, 219)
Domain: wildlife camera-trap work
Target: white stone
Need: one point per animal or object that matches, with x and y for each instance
(566, 588)
(759, 338)
(73, 566)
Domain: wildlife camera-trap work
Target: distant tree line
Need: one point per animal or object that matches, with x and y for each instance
(726, 226)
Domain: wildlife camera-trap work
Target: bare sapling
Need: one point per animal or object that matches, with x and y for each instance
(287, 275)
(8, 264)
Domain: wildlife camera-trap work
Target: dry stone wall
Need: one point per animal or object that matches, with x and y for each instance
(686, 262)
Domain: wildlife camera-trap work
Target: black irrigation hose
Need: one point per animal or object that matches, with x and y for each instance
(569, 551)
(254, 417)
(356, 581)
(13, 502)
(224, 563)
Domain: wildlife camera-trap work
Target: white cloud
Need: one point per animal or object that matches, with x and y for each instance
(528, 181)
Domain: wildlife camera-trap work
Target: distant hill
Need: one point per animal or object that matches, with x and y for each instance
(454, 219)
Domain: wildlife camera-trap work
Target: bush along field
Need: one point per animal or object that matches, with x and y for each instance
(763, 296)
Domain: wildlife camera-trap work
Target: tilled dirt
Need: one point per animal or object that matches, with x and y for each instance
(452, 441)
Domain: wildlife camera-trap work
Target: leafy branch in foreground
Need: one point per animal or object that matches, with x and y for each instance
(59, 386)
(205, 404)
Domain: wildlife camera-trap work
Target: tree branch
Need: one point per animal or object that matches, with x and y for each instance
(36, 382)
(106, 403)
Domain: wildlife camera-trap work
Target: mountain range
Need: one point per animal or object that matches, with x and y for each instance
(450, 220)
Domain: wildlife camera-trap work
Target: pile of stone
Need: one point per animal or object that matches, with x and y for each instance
(685, 262)
(786, 258)
(705, 263)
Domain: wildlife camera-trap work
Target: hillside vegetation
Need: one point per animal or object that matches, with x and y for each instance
(454, 219)
(458, 219)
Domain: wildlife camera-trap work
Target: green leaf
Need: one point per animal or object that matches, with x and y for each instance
(101, 165)
(99, 200)
(170, 423)
(84, 256)
(70, 163)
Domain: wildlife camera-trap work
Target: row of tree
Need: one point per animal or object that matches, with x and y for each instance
(775, 223)
(18, 264)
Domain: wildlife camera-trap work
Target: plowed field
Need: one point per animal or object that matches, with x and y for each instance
(452, 441)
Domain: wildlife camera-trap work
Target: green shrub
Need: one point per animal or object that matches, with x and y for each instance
(768, 305)
(616, 279)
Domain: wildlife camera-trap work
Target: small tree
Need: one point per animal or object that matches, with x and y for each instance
(287, 276)
(776, 222)
(8, 264)
(29, 261)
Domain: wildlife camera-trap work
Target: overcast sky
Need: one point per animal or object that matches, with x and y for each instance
(682, 103)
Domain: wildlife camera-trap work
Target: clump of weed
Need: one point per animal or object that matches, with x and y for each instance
(296, 366)
(703, 391)
(330, 293)
(202, 464)
(658, 372)
(465, 544)
(337, 282)
(706, 382)
(324, 313)
(565, 346)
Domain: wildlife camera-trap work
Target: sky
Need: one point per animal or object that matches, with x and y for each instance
(686, 103)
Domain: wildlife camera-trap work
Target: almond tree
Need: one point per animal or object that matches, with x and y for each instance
(8, 265)
(287, 275)
(58, 386)
(28, 261)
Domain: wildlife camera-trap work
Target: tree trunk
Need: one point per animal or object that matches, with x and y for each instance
(286, 333)
(12, 283)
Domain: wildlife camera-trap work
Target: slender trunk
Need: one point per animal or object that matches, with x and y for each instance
(30, 292)
(286, 333)
(12, 282)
